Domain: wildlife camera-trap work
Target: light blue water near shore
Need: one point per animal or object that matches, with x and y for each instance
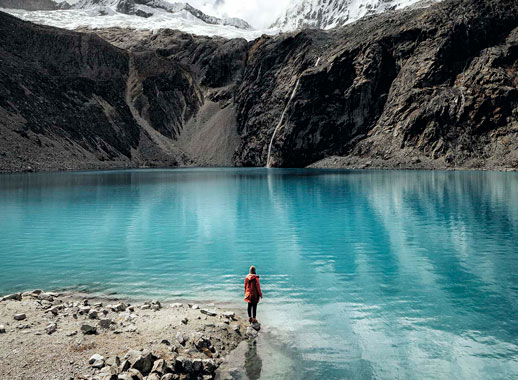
(366, 274)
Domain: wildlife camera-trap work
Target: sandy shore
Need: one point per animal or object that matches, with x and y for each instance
(73, 336)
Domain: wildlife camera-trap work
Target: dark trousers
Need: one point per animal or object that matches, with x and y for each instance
(252, 310)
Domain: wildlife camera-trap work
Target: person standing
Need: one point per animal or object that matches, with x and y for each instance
(252, 294)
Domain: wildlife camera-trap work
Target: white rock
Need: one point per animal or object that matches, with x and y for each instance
(229, 314)
(2, 329)
(96, 361)
(177, 304)
(210, 313)
(251, 332)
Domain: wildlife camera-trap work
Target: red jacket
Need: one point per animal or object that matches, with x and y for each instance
(252, 288)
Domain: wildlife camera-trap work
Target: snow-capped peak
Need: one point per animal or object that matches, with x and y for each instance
(327, 14)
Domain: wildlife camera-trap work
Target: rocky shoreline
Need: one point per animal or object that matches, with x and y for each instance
(47, 335)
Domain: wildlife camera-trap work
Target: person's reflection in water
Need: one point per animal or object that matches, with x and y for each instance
(253, 362)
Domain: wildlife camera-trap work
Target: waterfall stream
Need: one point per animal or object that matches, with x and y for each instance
(281, 120)
(279, 125)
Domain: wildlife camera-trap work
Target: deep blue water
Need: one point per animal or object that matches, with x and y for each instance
(366, 274)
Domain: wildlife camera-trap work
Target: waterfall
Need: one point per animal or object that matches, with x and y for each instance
(279, 125)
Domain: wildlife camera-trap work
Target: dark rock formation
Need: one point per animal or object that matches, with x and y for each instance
(426, 88)
(436, 86)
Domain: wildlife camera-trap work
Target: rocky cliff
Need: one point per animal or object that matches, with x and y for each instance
(423, 88)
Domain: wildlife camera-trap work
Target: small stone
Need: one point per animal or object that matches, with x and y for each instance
(125, 365)
(210, 313)
(195, 307)
(256, 326)
(96, 361)
(181, 338)
(135, 374)
(98, 304)
(197, 365)
(145, 306)
(109, 370)
(46, 297)
(20, 316)
(159, 366)
(176, 305)
(88, 329)
(71, 333)
(201, 341)
(113, 361)
(209, 366)
(105, 323)
(183, 365)
(84, 309)
(51, 328)
(185, 320)
(92, 314)
(54, 310)
(166, 342)
(251, 332)
(236, 328)
(13, 297)
(167, 376)
(2, 329)
(119, 307)
(229, 314)
(153, 376)
(144, 362)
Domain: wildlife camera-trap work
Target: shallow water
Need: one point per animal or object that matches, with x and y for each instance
(366, 274)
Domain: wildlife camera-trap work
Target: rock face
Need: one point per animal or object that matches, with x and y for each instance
(424, 88)
(436, 84)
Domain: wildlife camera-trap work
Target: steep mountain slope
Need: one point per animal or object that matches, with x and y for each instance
(327, 14)
(433, 87)
(426, 88)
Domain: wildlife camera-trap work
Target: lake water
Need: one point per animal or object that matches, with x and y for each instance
(366, 274)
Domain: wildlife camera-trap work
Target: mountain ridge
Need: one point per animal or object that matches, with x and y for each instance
(422, 89)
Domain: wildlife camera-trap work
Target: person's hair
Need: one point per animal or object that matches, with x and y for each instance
(252, 269)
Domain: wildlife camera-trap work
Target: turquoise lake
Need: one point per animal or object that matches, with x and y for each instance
(365, 274)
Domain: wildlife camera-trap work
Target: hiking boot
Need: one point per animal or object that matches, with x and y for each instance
(254, 320)
(250, 319)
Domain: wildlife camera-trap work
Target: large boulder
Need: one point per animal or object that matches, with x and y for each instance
(141, 360)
